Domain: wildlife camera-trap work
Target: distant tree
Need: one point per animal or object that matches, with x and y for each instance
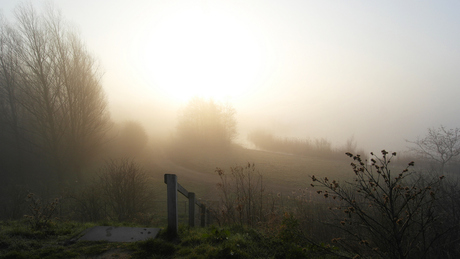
(206, 124)
(306, 147)
(263, 140)
(439, 145)
(323, 146)
(351, 145)
(50, 90)
(132, 138)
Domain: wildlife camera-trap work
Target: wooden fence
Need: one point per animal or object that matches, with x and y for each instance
(172, 188)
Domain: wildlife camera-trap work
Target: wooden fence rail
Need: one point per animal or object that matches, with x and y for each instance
(172, 188)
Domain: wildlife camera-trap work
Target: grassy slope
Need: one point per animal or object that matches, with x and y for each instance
(281, 172)
(196, 172)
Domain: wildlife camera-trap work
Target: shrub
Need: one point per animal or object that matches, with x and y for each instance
(289, 229)
(90, 203)
(383, 213)
(41, 215)
(121, 191)
(243, 196)
(126, 188)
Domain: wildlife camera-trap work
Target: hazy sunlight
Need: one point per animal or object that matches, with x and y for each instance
(195, 52)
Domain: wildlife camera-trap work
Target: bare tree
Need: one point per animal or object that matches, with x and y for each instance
(85, 115)
(42, 93)
(386, 214)
(50, 75)
(439, 145)
(13, 118)
(243, 196)
(127, 188)
(9, 82)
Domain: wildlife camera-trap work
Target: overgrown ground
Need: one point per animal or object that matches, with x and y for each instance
(282, 173)
(285, 176)
(58, 240)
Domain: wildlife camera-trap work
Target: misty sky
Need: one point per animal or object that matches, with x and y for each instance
(381, 71)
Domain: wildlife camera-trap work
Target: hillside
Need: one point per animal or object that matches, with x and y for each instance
(281, 172)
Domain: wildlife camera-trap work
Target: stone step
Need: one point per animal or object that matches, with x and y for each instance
(119, 234)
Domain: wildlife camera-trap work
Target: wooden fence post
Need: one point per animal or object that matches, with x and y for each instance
(203, 215)
(208, 217)
(191, 209)
(173, 216)
(171, 181)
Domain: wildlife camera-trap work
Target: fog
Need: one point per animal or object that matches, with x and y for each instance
(257, 107)
(382, 72)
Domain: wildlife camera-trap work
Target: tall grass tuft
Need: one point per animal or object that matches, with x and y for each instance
(244, 199)
(41, 215)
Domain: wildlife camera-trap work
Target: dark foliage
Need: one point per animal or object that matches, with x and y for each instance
(387, 214)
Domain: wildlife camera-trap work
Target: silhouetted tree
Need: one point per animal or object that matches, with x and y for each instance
(206, 124)
(50, 90)
(9, 82)
(439, 145)
(387, 214)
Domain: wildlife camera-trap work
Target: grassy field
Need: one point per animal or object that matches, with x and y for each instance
(282, 172)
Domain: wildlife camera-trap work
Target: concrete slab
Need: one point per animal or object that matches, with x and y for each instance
(119, 234)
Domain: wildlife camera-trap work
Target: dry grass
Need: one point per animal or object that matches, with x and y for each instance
(283, 172)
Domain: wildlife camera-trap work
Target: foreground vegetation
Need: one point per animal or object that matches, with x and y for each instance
(418, 208)
(60, 240)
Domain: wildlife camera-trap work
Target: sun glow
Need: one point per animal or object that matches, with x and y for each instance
(199, 52)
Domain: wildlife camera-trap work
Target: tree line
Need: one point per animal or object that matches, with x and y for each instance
(304, 147)
(54, 119)
(53, 111)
